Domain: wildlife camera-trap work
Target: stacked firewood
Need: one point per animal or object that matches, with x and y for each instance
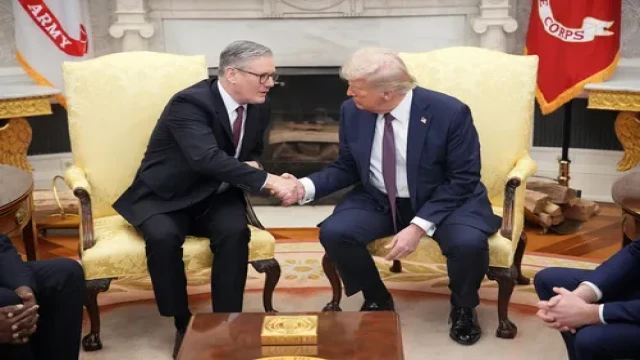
(549, 204)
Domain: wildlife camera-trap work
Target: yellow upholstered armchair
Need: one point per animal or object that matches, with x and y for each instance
(499, 88)
(113, 104)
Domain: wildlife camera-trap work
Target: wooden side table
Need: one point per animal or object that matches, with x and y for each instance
(16, 207)
(626, 193)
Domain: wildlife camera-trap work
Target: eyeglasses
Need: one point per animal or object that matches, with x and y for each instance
(262, 77)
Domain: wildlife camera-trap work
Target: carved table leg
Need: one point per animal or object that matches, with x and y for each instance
(517, 260)
(271, 268)
(91, 341)
(627, 128)
(15, 139)
(331, 272)
(506, 279)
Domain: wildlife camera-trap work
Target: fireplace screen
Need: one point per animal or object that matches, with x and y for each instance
(303, 134)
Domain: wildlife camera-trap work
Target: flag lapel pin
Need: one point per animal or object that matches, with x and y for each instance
(423, 120)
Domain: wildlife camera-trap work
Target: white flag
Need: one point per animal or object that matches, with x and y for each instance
(49, 32)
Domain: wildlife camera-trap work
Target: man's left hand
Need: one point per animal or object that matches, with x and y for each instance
(405, 242)
(567, 311)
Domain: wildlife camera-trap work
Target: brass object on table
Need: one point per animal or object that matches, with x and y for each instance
(289, 330)
(294, 357)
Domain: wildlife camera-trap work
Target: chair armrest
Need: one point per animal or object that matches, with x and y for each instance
(252, 218)
(77, 181)
(524, 168)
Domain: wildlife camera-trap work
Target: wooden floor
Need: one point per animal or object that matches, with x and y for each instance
(598, 239)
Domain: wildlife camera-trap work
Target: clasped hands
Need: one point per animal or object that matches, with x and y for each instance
(19, 322)
(286, 187)
(569, 310)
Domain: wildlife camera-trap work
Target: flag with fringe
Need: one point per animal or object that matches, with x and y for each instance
(577, 42)
(48, 33)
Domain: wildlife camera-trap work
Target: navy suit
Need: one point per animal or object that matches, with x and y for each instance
(59, 289)
(443, 177)
(618, 279)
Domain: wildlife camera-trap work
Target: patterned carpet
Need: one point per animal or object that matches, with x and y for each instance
(133, 329)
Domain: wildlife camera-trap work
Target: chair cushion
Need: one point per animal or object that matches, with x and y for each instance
(120, 250)
(501, 249)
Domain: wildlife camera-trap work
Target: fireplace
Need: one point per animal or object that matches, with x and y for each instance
(310, 40)
(303, 134)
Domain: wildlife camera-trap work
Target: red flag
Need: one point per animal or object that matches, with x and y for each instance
(577, 41)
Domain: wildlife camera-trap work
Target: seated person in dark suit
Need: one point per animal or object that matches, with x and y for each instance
(40, 306)
(597, 311)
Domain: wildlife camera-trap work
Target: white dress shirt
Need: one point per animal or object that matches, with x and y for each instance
(231, 106)
(400, 133)
(598, 297)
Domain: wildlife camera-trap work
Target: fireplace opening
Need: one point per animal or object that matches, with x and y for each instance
(303, 134)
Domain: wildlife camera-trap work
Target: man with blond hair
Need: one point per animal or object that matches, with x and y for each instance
(414, 157)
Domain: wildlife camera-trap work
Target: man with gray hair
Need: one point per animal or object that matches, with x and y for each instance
(202, 155)
(414, 157)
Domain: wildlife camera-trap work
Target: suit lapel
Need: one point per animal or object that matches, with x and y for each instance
(367, 128)
(221, 110)
(250, 130)
(419, 124)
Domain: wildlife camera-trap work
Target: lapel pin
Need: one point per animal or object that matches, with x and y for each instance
(423, 120)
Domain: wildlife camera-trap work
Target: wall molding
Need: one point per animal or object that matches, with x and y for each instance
(592, 171)
(14, 75)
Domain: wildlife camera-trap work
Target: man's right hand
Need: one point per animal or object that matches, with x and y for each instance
(284, 188)
(17, 323)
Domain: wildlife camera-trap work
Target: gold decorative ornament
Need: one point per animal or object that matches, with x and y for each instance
(15, 138)
(627, 125)
(23, 107)
(290, 330)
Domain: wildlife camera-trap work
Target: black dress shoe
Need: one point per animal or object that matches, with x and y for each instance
(464, 326)
(381, 306)
(178, 343)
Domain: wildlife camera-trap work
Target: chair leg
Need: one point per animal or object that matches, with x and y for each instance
(517, 260)
(331, 272)
(91, 341)
(506, 279)
(396, 267)
(271, 268)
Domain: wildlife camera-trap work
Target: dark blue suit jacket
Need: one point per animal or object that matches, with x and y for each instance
(13, 271)
(443, 161)
(619, 278)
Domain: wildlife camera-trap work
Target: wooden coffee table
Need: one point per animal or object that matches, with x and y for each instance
(341, 335)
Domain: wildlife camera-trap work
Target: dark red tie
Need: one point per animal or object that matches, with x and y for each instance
(237, 126)
(389, 165)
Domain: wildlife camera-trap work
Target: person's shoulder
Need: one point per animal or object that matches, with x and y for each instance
(199, 90)
(348, 106)
(438, 101)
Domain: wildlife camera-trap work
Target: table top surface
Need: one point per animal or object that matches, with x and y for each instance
(15, 185)
(625, 78)
(341, 335)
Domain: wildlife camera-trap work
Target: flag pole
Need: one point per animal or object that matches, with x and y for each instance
(564, 161)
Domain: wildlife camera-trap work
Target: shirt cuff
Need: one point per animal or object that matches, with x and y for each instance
(595, 289)
(428, 227)
(601, 313)
(309, 190)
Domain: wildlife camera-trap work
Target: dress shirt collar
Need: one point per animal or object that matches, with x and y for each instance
(402, 112)
(229, 103)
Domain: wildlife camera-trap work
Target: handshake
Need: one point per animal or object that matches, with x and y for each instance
(286, 187)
